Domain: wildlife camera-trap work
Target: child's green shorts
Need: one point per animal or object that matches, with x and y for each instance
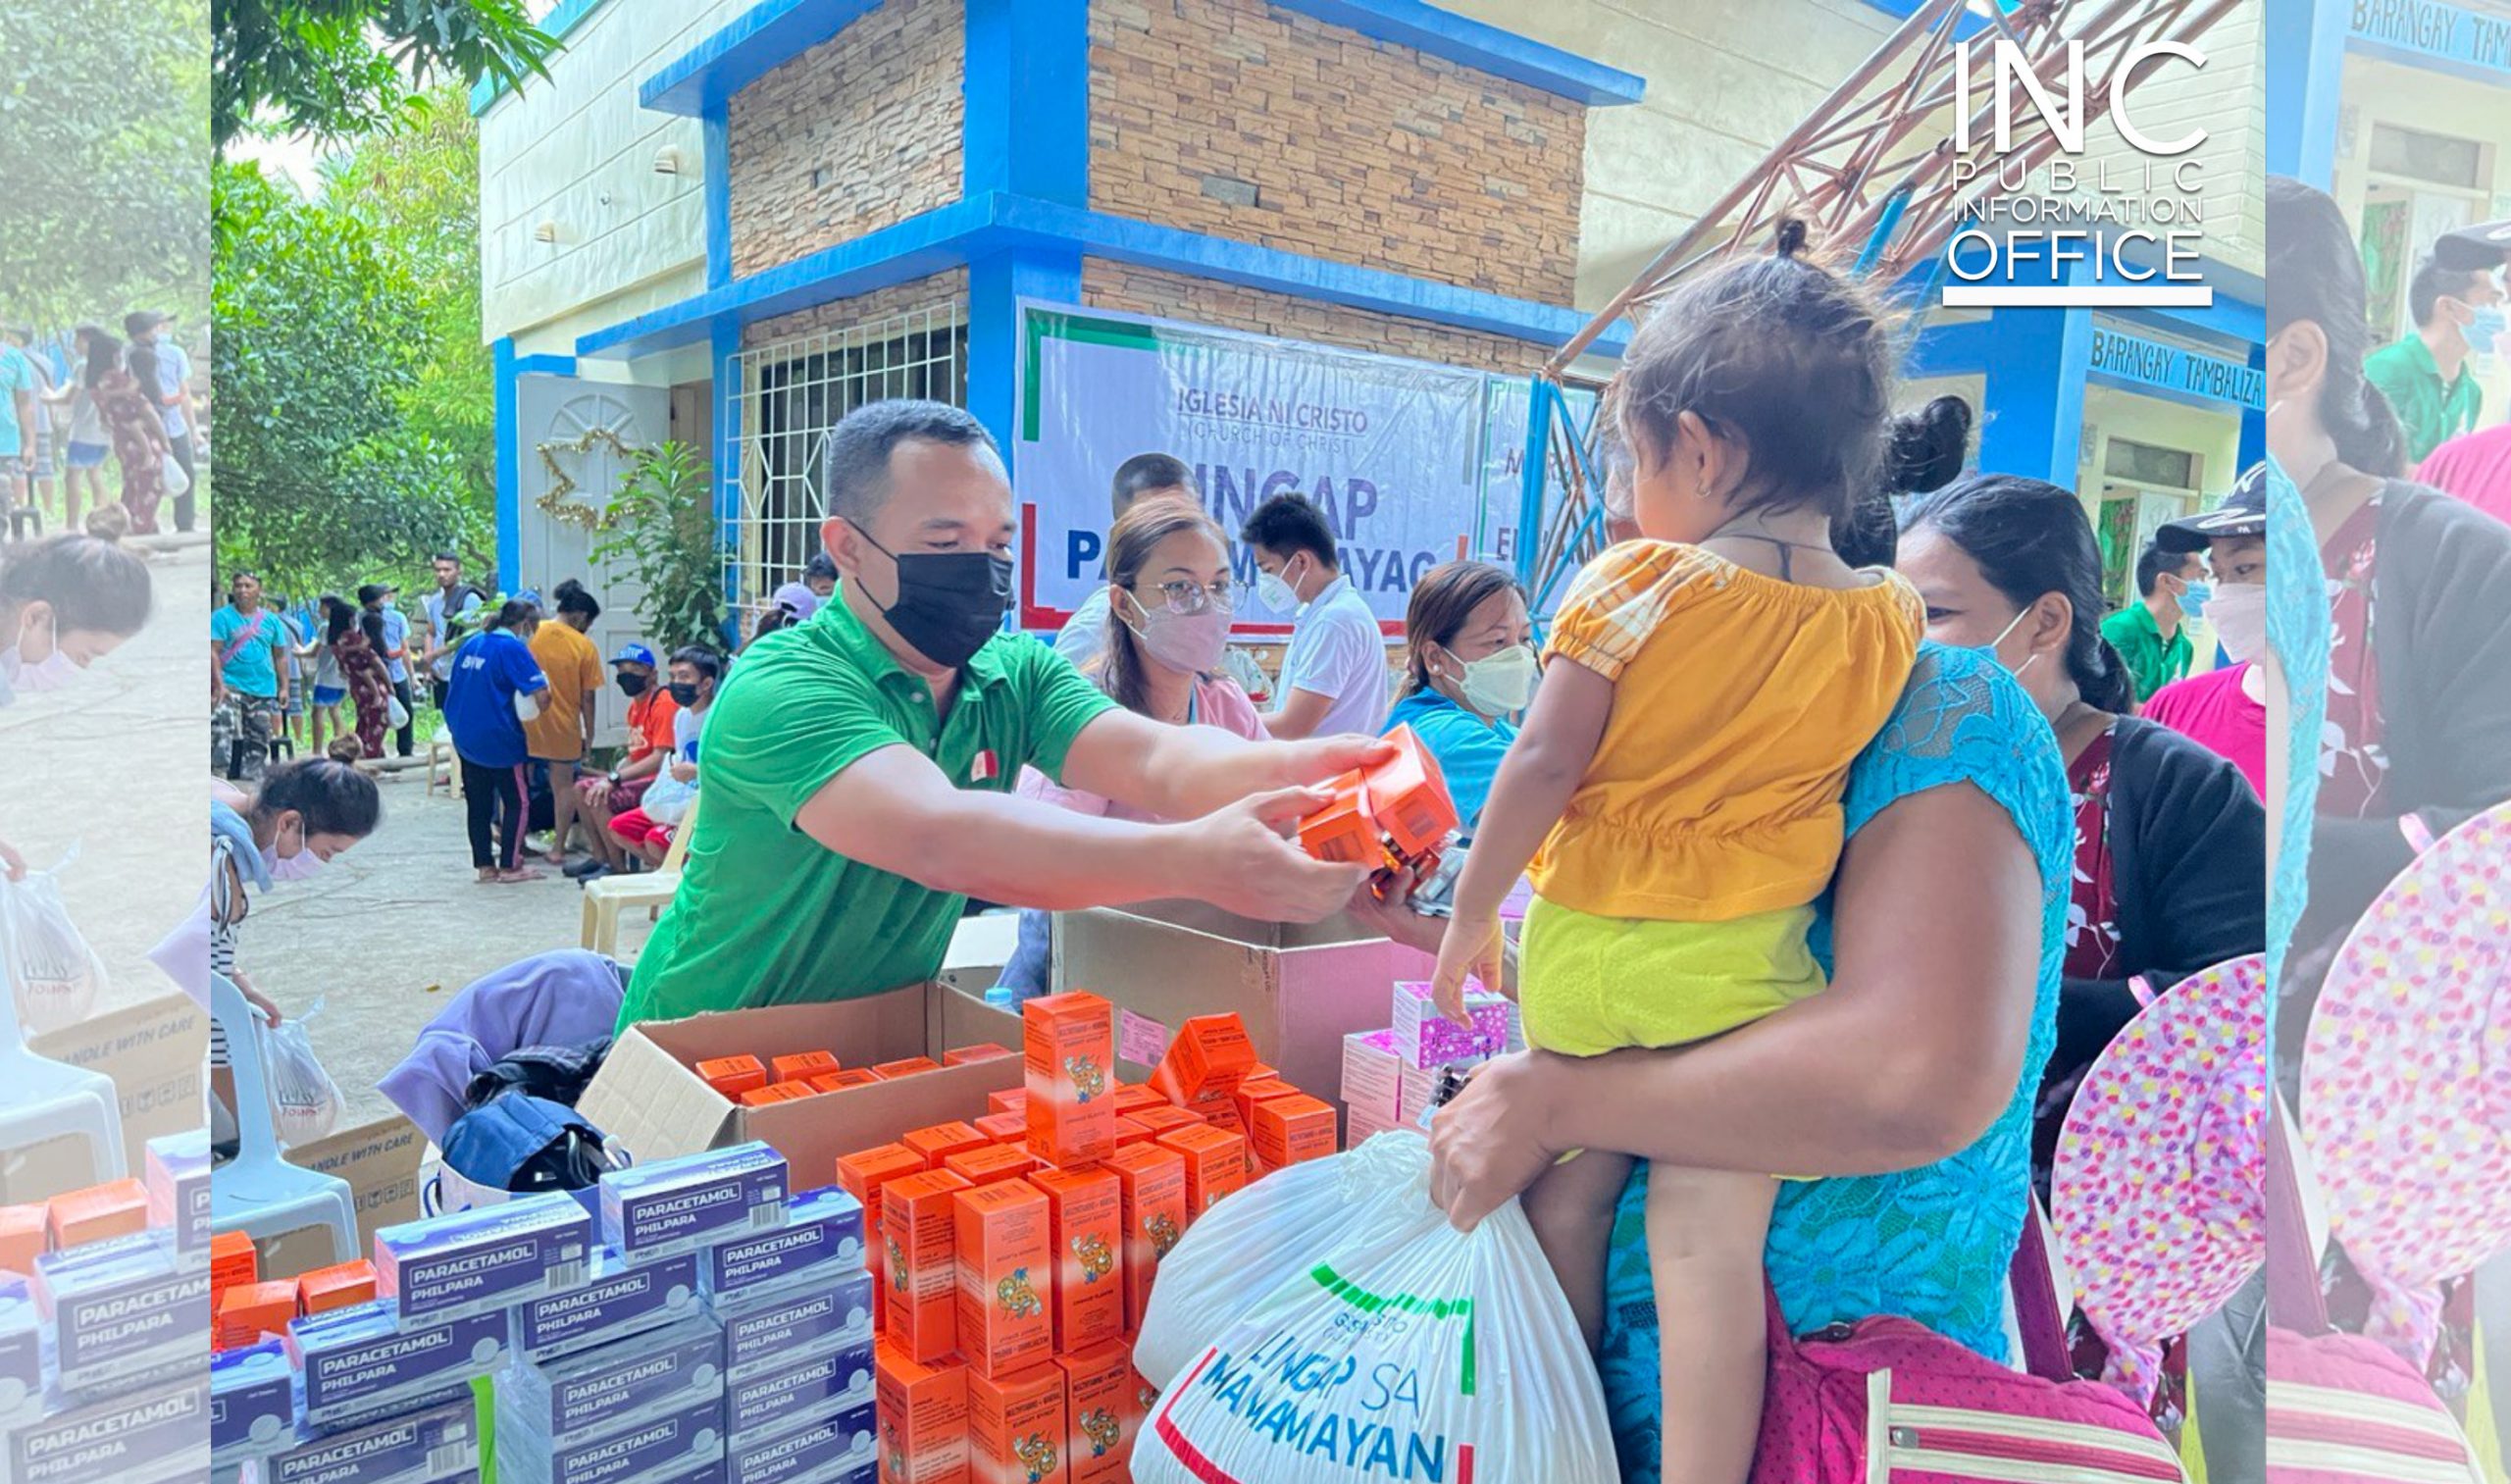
(1590, 985)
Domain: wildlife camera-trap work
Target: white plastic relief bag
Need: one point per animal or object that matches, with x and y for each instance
(1265, 1235)
(1422, 1353)
(305, 1103)
(56, 975)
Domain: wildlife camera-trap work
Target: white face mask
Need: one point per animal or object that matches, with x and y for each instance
(1500, 681)
(1990, 647)
(1274, 591)
(51, 673)
(2239, 616)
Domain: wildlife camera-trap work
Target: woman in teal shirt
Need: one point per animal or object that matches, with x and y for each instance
(1472, 665)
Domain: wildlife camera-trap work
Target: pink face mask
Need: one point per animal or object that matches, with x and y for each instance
(51, 673)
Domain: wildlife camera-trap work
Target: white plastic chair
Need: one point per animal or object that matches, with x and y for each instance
(609, 896)
(258, 1192)
(49, 1100)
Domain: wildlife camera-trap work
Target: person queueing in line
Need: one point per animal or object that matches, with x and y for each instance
(650, 732)
(2151, 634)
(2427, 375)
(696, 671)
(497, 688)
(2224, 709)
(1682, 777)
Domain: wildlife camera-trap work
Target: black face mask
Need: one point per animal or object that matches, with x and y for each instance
(949, 602)
(684, 692)
(633, 684)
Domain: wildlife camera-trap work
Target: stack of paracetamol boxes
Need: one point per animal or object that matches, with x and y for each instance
(1014, 1254)
(103, 1304)
(1390, 1077)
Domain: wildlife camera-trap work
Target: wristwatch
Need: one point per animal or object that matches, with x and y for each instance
(614, 777)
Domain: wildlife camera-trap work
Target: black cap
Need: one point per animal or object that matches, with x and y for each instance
(374, 590)
(821, 567)
(2243, 512)
(2481, 249)
(141, 320)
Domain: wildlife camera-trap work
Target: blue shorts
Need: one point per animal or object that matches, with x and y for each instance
(330, 696)
(88, 455)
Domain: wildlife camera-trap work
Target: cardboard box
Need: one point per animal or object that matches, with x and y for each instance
(647, 1097)
(1150, 1180)
(1005, 1272)
(941, 1141)
(381, 1162)
(1017, 1426)
(989, 1162)
(1298, 991)
(919, 1232)
(924, 1418)
(1085, 1227)
(1216, 1166)
(1289, 1129)
(155, 1052)
(328, 1288)
(802, 1066)
(732, 1076)
(1098, 1406)
(98, 1213)
(1068, 1060)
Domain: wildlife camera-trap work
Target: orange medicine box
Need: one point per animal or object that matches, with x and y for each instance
(1098, 1412)
(863, 1173)
(991, 1162)
(1342, 832)
(1068, 1059)
(1259, 1071)
(1220, 1111)
(777, 1092)
(249, 1311)
(1216, 1166)
(1160, 1120)
(842, 1078)
(802, 1066)
(1084, 1209)
(232, 1260)
(943, 1140)
(338, 1287)
(1255, 1090)
(732, 1076)
(1150, 1180)
(1209, 1057)
(1131, 1131)
(1133, 1098)
(918, 1237)
(1289, 1129)
(904, 1066)
(924, 1418)
(1009, 1100)
(99, 1213)
(1017, 1427)
(22, 1240)
(1408, 798)
(1005, 1283)
(983, 1051)
(1004, 1128)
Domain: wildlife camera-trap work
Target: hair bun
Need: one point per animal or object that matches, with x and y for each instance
(1791, 238)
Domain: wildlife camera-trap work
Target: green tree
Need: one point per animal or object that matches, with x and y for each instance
(338, 68)
(662, 532)
(322, 478)
(104, 106)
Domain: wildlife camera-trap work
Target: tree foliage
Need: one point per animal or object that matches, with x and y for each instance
(664, 535)
(338, 68)
(324, 479)
(104, 109)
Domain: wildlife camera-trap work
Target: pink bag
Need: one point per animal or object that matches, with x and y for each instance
(1888, 1401)
(2340, 1408)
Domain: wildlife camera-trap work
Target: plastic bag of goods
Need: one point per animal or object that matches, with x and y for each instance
(57, 976)
(305, 1103)
(1423, 1352)
(1267, 1234)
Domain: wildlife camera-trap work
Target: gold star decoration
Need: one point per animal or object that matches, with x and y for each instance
(554, 503)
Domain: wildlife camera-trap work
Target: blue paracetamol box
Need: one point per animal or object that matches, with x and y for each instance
(252, 1402)
(810, 1389)
(608, 1389)
(158, 1432)
(115, 1310)
(20, 1348)
(765, 1328)
(179, 1191)
(416, 1448)
(359, 1362)
(822, 1235)
(685, 1440)
(677, 1205)
(620, 1301)
(817, 1451)
(485, 1260)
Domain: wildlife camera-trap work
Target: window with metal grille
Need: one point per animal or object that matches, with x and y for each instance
(785, 399)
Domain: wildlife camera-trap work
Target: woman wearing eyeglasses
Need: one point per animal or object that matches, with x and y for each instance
(1170, 602)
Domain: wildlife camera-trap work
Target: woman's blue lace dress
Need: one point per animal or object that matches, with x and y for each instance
(1931, 1244)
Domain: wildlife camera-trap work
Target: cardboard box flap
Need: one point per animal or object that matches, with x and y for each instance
(1273, 937)
(649, 1105)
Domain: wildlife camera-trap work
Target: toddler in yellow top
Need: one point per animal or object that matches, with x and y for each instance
(1681, 771)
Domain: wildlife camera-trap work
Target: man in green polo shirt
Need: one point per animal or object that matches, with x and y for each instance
(2149, 632)
(858, 767)
(2426, 375)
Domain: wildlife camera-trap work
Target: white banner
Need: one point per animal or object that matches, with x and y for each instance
(1400, 455)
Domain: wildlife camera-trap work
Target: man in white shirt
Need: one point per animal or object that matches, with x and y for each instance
(174, 390)
(1334, 674)
(1144, 476)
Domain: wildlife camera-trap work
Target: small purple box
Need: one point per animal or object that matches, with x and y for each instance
(813, 1387)
(768, 1328)
(619, 1302)
(252, 1402)
(404, 1450)
(1424, 1038)
(677, 1205)
(482, 1260)
(156, 1433)
(813, 1451)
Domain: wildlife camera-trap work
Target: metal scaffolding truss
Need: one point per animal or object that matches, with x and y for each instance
(1876, 163)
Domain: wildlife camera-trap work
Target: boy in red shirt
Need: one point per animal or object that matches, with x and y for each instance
(650, 710)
